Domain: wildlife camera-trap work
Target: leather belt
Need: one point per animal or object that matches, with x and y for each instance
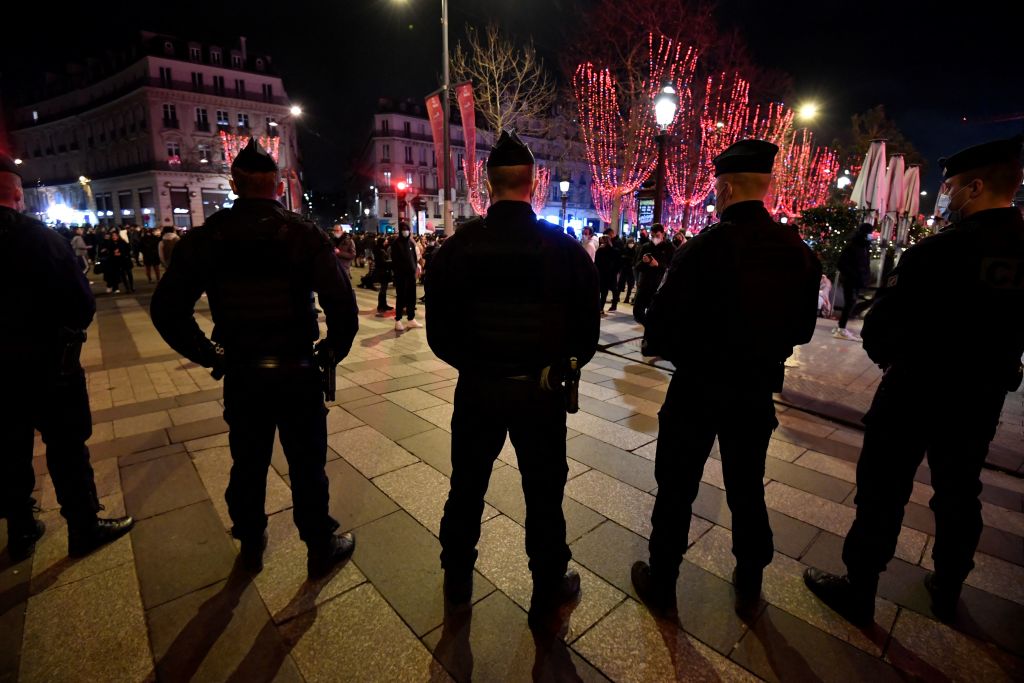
(272, 363)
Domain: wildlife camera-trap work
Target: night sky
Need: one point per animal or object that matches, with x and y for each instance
(929, 65)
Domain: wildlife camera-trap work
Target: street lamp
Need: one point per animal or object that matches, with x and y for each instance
(563, 185)
(295, 110)
(18, 162)
(666, 104)
(808, 111)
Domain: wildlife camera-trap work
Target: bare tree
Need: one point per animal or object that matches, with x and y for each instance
(511, 84)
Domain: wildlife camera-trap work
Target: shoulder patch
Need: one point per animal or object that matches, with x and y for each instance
(892, 280)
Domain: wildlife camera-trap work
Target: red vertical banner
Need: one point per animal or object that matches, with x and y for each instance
(436, 115)
(467, 110)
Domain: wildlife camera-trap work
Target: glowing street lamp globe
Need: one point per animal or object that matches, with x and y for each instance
(563, 185)
(295, 110)
(666, 104)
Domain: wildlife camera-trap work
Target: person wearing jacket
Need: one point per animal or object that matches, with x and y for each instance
(344, 249)
(405, 267)
(854, 273)
(167, 243)
(607, 261)
(652, 263)
(382, 273)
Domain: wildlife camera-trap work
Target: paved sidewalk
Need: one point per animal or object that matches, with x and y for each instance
(166, 603)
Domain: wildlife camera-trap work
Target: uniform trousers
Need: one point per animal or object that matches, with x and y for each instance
(485, 411)
(696, 410)
(59, 409)
(909, 418)
(258, 402)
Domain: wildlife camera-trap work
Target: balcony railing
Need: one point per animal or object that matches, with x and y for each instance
(203, 126)
(171, 123)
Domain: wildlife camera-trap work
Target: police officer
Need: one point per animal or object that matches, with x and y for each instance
(511, 339)
(652, 262)
(944, 400)
(736, 300)
(47, 305)
(259, 265)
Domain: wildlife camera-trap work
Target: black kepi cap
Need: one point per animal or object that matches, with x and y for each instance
(746, 156)
(509, 150)
(7, 165)
(985, 154)
(254, 159)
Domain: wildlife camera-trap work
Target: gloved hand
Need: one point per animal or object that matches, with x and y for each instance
(324, 354)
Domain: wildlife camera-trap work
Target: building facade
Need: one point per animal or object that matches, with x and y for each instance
(401, 148)
(141, 141)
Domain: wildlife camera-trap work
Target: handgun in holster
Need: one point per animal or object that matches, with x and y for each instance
(328, 379)
(71, 341)
(565, 380)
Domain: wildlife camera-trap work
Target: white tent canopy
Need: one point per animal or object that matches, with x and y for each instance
(870, 192)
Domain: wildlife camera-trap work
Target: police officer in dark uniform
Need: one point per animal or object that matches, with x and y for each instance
(651, 263)
(259, 265)
(736, 300)
(512, 339)
(944, 400)
(47, 305)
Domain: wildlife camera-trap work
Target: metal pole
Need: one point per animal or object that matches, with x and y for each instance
(565, 199)
(659, 185)
(446, 115)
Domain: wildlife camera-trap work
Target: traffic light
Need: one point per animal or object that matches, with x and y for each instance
(402, 192)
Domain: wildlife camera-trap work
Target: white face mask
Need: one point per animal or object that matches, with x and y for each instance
(405, 233)
(656, 240)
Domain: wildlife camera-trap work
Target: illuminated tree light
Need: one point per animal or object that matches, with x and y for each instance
(802, 175)
(618, 133)
(540, 192)
(233, 144)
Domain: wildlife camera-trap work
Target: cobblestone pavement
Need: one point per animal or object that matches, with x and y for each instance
(165, 602)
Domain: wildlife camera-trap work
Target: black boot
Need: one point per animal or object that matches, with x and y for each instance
(22, 536)
(458, 588)
(747, 584)
(323, 557)
(854, 601)
(83, 539)
(251, 553)
(945, 596)
(549, 597)
(659, 596)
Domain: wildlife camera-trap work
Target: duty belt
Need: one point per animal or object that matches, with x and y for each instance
(273, 363)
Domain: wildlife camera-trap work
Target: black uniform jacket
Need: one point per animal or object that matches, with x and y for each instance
(259, 265)
(737, 297)
(511, 295)
(967, 281)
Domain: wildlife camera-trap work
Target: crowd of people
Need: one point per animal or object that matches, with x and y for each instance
(115, 251)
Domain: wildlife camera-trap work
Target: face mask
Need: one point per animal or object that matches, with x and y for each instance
(948, 212)
(405, 233)
(656, 240)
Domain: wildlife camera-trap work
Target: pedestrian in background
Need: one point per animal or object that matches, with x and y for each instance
(607, 262)
(654, 260)
(627, 269)
(405, 268)
(854, 274)
(151, 255)
(382, 273)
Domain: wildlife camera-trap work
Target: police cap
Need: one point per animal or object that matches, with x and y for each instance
(7, 165)
(746, 156)
(509, 150)
(254, 159)
(985, 154)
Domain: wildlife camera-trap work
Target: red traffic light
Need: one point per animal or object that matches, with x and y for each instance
(401, 186)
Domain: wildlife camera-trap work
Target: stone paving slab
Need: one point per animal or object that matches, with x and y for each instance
(389, 463)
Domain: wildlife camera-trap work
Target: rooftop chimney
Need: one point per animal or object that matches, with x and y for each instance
(241, 41)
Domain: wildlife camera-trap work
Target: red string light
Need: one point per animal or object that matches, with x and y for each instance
(803, 174)
(234, 143)
(619, 136)
(540, 192)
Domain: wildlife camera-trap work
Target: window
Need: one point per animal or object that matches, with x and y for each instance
(259, 64)
(170, 118)
(35, 116)
(218, 85)
(407, 128)
(272, 130)
(408, 178)
(387, 178)
(204, 154)
(222, 118)
(268, 92)
(194, 53)
(423, 156)
(239, 87)
(202, 120)
(124, 203)
(243, 120)
(433, 158)
(197, 81)
(214, 55)
(236, 61)
(165, 77)
(423, 181)
(174, 153)
(408, 154)
(385, 152)
(385, 126)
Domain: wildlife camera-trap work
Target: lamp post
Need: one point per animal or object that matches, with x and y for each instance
(563, 185)
(666, 104)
